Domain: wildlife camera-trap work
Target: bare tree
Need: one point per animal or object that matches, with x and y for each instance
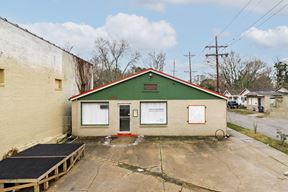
(67, 46)
(111, 60)
(156, 60)
(236, 74)
(230, 70)
(256, 74)
(83, 71)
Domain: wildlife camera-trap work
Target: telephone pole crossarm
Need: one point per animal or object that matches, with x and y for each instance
(219, 54)
(213, 46)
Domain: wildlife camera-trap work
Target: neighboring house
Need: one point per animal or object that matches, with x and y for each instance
(234, 95)
(36, 80)
(267, 100)
(149, 103)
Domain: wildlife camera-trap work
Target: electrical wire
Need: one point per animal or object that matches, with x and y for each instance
(239, 35)
(276, 13)
(234, 18)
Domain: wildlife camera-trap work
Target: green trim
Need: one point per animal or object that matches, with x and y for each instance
(154, 124)
(95, 125)
(133, 89)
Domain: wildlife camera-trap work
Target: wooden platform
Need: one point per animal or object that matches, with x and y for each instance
(39, 165)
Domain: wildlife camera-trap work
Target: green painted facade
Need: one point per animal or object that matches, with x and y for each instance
(133, 89)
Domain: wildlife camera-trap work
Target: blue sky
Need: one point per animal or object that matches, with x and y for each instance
(172, 26)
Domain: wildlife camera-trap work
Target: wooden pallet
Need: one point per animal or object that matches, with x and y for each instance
(54, 173)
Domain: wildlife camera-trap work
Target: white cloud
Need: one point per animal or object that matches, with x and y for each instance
(140, 33)
(277, 37)
(255, 6)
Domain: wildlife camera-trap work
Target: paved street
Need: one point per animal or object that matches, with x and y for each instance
(238, 163)
(266, 126)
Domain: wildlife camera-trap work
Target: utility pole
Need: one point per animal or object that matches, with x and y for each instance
(190, 65)
(174, 70)
(216, 55)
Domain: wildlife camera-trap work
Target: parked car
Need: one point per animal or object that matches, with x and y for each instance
(232, 105)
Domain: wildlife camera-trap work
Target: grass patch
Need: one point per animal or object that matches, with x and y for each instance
(242, 111)
(260, 137)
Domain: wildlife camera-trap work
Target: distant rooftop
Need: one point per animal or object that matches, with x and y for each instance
(264, 93)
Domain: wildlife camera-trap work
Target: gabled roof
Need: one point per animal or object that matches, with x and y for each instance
(231, 92)
(282, 89)
(144, 72)
(41, 38)
(244, 91)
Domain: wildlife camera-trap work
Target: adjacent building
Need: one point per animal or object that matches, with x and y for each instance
(233, 95)
(149, 103)
(36, 80)
(271, 101)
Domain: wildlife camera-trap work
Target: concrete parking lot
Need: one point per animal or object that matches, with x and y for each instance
(178, 164)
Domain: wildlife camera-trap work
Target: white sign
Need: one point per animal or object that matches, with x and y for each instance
(153, 113)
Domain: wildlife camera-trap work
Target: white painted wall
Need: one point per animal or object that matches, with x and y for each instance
(177, 117)
(32, 111)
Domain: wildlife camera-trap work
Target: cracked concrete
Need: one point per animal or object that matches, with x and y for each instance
(178, 165)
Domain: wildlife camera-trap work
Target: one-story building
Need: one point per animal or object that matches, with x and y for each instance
(149, 103)
(272, 102)
(263, 101)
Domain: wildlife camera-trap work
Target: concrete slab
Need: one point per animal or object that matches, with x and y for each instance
(236, 164)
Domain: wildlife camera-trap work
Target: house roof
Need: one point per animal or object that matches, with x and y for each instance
(231, 92)
(41, 38)
(144, 72)
(282, 89)
(264, 93)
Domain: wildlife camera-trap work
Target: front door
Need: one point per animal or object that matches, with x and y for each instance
(124, 118)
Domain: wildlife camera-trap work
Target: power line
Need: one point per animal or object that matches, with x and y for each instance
(260, 24)
(238, 36)
(277, 12)
(232, 20)
(235, 17)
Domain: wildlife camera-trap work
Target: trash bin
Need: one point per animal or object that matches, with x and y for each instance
(261, 109)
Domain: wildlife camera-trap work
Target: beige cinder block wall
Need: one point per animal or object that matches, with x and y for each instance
(177, 119)
(31, 110)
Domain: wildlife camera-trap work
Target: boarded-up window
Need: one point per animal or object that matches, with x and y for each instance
(58, 84)
(150, 87)
(153, 113)
(196, 114)
(95, 113)
(2, 78)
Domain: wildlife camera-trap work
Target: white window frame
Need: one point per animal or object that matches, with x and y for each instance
(165, 122)
(94, 122)
(194, 119)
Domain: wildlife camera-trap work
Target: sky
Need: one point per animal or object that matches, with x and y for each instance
(252, 28)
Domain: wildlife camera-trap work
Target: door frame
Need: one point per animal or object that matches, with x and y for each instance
(119, 104)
